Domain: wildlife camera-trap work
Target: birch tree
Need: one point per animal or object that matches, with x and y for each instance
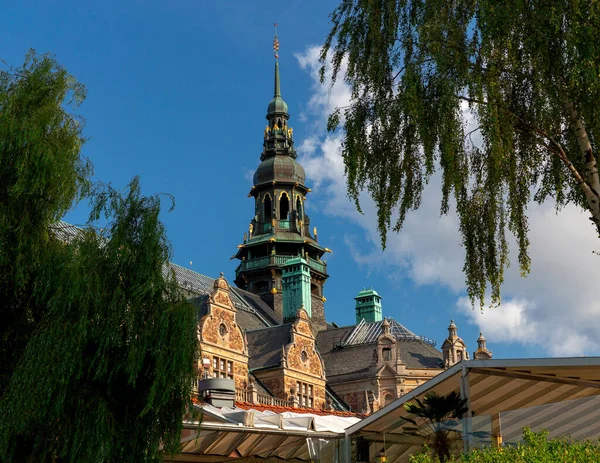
(427, 76)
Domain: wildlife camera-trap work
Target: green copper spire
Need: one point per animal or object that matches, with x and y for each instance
(277, 86)
(277, 105)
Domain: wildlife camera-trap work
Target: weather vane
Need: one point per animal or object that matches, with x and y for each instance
(276, 43)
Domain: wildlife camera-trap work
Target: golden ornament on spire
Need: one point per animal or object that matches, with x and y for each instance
(276, 43)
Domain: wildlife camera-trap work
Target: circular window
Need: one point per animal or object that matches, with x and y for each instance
(222, 330)
(304, 356)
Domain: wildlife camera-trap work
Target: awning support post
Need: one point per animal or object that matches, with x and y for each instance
(465, 393)
(346, 450)
(496, 430)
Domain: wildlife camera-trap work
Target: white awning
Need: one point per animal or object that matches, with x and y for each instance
(235, 434)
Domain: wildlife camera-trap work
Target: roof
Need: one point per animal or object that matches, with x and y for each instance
(367, 292)
(293, 435)
(265, 345)
(561, 395)
(349, 350)
(367, 332)
(65, 231)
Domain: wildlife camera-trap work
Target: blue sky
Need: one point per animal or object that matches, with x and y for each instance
(177, 94)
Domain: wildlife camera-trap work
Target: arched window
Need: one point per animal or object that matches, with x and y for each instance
(299, 208)
(267, 208)
(284, 207)
(389, 398)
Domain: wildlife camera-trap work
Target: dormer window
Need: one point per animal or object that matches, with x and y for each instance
(386, 354)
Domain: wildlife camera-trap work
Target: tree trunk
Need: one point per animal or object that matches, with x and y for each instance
(591, 167)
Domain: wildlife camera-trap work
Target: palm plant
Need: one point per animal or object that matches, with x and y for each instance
(441, 413)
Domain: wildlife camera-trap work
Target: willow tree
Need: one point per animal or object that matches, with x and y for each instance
(500, 98)
(97, 342)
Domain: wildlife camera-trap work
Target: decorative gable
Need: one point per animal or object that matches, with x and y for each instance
(223, 344)
(301, 353)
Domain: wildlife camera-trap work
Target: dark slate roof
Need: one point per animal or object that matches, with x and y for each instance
(265, 345)
(349, 350)
(260, 306)
(260, 387)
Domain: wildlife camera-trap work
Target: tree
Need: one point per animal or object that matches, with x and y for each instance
(101, 367)
(440, 412)
(535, 447)
(526, 72)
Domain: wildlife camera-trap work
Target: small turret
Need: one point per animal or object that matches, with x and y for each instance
(482, 352)
(368, 306)
(454, 348)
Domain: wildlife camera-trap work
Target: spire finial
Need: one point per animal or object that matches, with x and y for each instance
(276, 43)
(277, 92)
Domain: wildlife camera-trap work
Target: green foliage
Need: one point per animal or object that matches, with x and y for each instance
(103, 364)
(526, 71)
(41, 175)
(535, 448)
(441, 413)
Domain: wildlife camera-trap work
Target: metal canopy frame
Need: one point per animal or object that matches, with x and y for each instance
(525, 392)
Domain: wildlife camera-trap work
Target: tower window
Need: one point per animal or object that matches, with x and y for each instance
(299, 208)
(267, 208)
(284, 207)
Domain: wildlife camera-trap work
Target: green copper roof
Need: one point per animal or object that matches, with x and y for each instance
(295, 261)
(277, 105)
(367, 292)
(279, 169)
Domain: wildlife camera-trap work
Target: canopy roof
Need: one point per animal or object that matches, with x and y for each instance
(236, 433)
(508, 394)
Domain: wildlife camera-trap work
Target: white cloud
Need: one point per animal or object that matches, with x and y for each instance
(556, 307)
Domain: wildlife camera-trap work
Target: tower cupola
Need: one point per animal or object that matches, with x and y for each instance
(368, 306)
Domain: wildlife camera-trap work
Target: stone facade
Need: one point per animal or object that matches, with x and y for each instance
(223, 346)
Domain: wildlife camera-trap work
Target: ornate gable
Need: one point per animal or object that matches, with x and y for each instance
(219, 325)
(223, 344)
(301, 353)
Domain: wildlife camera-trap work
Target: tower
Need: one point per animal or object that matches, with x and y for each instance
(454, 348)
(482, 352)
(280, 229)
(296, 288)
(368, 306)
